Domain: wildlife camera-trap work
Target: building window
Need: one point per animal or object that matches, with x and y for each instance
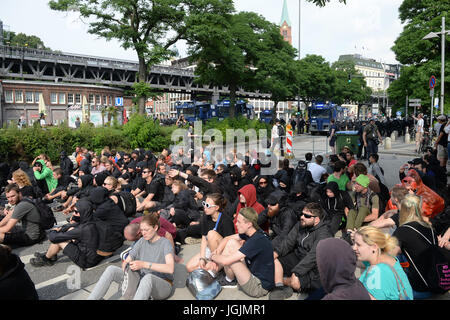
(36, 97)
(70, 98)
(77, 98)
(28, 97)
(62, 98)
(91, 99)
(105, 102)
(110, 100)
(53, 98)
(19, 96)
(97, 99)
(8, 96)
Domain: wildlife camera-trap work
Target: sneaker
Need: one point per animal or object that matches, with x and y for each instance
(42, 254)
(58, 208)
(281, 293)
(191, 240)
(41, 262)
(224, 283)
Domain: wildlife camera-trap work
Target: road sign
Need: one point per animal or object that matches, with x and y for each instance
(415, 104)
(415, 100)
(432, 92)
(432, 82)
(119, 102)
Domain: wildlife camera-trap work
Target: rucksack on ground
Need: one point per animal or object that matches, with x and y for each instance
(127, 202)
(47, 218)
(202, 285)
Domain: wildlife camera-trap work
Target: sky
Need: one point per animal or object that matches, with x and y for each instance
(366, 27)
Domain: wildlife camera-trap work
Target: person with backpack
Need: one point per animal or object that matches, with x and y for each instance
(78, 240)
(24, 211)
(425, 261)
(372, 137)
(302, 174)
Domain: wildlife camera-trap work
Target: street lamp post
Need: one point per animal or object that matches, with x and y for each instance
(435, 35)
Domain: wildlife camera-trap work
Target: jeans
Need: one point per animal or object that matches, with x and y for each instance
(150, 286)
(372, 147)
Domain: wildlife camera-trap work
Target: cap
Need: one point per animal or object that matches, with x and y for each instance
(251, 215)
(442, 117)
(363, 180)
(302, 164)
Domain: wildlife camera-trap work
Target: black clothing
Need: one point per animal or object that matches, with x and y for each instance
(66, 164)
(15, 283)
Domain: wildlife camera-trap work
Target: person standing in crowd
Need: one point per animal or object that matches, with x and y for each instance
(77, 123)
(420, 128)
(441, 142)
(332, 136)
(383, 277)
(372, 137)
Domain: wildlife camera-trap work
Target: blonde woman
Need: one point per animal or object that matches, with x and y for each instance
(20, 178)
(413, 232)
(383, 277)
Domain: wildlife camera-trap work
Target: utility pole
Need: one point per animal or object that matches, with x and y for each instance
(1, 32)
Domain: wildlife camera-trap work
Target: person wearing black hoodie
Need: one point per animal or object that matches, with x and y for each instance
(298, 198)
(65, 164)
(15, 283)
(280, 217)
(336, 263)
(264, 188)
(78, 240)
(337, 204)
(109, 219)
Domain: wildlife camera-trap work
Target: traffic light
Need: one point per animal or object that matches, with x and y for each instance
(349, 78)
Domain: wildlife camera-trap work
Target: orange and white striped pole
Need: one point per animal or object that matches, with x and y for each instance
(289, 140)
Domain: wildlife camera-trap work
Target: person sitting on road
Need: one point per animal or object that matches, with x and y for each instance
(152, 257)
(337, 205)
(44, 176)
(30, 231)
(389, 220)
(248, 263)
(316, 168)
(279, 216)
(78, 240)
(336, 263)
(340, 177)
(214, 227)
(15, 283)
(375, 169)
(367, 204)
(295, 256)
(383, 277)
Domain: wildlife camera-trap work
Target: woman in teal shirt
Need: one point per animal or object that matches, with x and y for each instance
(383, 277)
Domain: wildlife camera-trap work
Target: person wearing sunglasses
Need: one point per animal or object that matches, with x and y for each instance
(295, 256)
(214, 227)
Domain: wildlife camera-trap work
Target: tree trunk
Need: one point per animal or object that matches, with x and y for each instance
(143, 79)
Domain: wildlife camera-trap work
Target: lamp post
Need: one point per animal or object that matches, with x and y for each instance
(436, 35)
(299, 37)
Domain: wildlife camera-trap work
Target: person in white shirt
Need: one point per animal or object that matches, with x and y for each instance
(316, 169)
(419, 130)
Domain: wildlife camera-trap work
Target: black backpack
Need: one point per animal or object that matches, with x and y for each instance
(127, 202)
(47, 218)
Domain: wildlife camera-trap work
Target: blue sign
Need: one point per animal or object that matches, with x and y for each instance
(399, 113)
(119, 102)
(432, 82)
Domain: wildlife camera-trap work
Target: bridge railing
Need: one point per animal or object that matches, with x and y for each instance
(62, 57)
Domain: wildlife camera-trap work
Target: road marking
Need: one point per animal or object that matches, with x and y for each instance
(52, 281)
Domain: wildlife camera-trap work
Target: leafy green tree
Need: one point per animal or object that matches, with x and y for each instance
(315, 79)
(421, 58)
(150, 27)
(23, 40)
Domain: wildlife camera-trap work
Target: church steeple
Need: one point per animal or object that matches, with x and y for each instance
(285, 24)
(285, 15)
